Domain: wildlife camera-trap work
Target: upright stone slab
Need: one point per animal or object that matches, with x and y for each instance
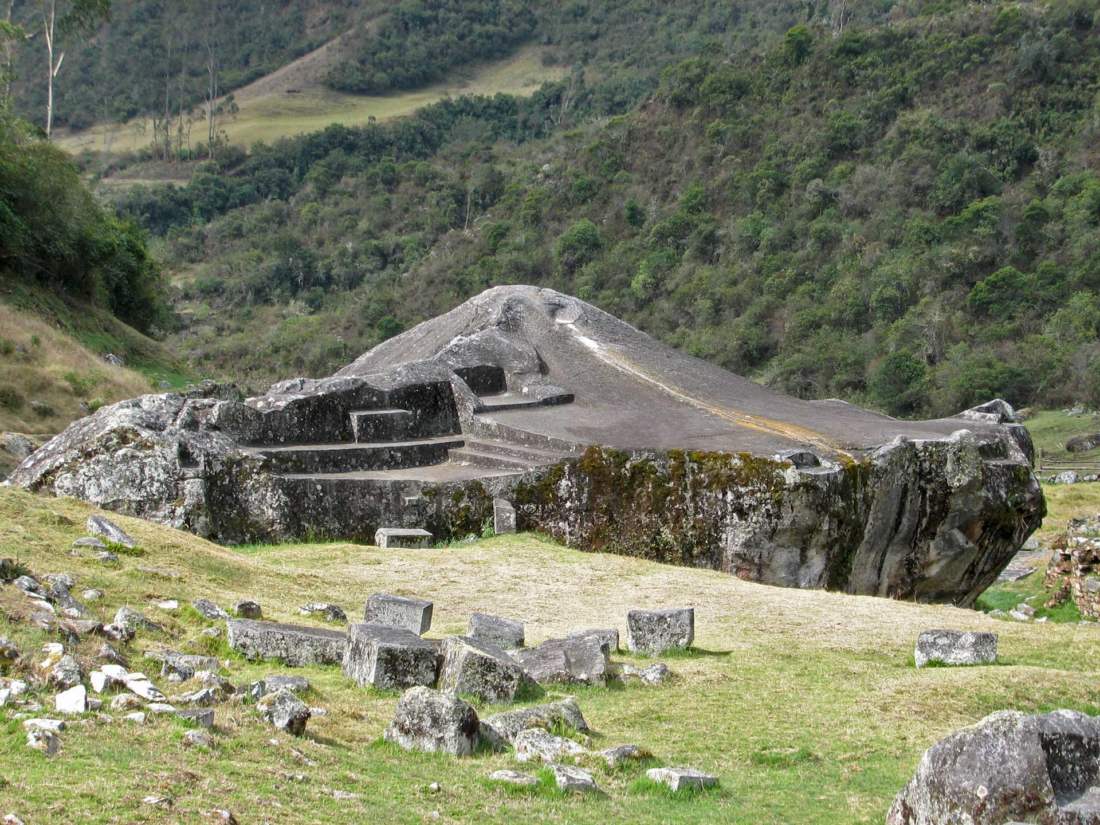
(955, 647)
(389, 657)
(291, 644)
(414, 615)
(504, 517)
(503, 633)
(481, 669)
(655, 631)
(389, 537)
(681, 779)
(431, 721)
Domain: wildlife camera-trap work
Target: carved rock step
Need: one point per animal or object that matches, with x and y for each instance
(382, 425)
(518, 401)
(339, 458)
(291, 644)
(466, 455)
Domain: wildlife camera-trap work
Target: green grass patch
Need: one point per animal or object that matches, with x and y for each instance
(644, 786)
(783, 757)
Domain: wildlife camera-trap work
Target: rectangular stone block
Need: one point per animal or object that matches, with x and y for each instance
(608, 636)
(583, 660)
(387, 537)
(291, 644)
(414, 615)
(483, 670)
(955, 647)
(506, 634)
(504, 517)
(655, 631)
(389, 658)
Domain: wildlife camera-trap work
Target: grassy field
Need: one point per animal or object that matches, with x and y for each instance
(1051, 428)
(268, 117)
(805, 703)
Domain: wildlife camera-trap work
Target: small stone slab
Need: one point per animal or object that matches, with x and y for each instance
(501, 729)
(503, 633)
(248, 609)
(504, 517)
(90, 543)
(208, 610)
(655, 631)
(566, 661)
(522, 780)
(574, 780)
(389, 657)
(481, 669)
(285, 711)
(329, 612)
(653, 674)
(182, 666)
(538, 745)
(203, 717)
(387, 537)
(100, 526)
(74, 700)
(271, 684)
(954, 647)
(621, 754)
(680, 779)
(293, 645)
(414, 615)
(434, 722)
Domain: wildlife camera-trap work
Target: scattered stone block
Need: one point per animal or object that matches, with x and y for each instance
(536, 744)
(126, 701)
(414, 615)
(198, 739)
(203, 717)
(183, 666)
(8, 570)
(574, 780)
(501, 729)
(107, 653)
(208, 610)
(431, 721)
(249, 610)
(583, 660)
(954, 647)
(74, 700)
(656, 631)
(107, 557)
(9, 653)
(653, 674)
(506, 634)
(30, 586)
(523, 780)
(133, 620)
(682, 779)
(100, 526)
(481, 669)
(394, 537)
(293, 645)
(167, 605)
(92, 543)
(51, 725)
(608, 637)
(621, 754)
(329, 612)
(65, 673)
(285, 711)
(43, 740)
(504, 517)
(270, 684)
(389, 657)
(137, 717)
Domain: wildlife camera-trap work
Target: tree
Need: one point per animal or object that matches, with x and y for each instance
(61, 19)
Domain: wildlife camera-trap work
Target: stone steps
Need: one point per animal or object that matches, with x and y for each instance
(535, 455)
(517, 401)
(311, 459)
(382, 425)
(466, 455)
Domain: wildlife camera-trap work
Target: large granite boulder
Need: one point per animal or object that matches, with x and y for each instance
(482, 670)
(291, 644)
(592, 421)
(389, 658)
(431, 721)
(1010, 766)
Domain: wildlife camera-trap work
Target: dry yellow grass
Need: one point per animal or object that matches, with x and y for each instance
(805, 703)
(42, 363)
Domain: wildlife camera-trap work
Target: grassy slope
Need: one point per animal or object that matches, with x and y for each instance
(1050, 429)
(269, 117)
(805, 703)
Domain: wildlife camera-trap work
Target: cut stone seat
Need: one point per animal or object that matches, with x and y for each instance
(347, 457)
(387, 537)
(492, 453)
(291, 644)
(381, 425)
(519, 401)
(467, 455)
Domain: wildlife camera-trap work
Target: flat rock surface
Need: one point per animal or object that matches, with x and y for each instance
(631, 391)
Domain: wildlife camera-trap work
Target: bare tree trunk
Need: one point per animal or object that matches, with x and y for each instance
(48, 21)
(9, 53)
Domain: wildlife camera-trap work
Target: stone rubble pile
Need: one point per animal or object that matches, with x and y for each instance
(1074, 569)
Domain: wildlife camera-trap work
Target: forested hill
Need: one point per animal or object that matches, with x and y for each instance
(903, 212)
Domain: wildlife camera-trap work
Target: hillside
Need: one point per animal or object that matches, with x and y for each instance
(903, 215)
(766, 700)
